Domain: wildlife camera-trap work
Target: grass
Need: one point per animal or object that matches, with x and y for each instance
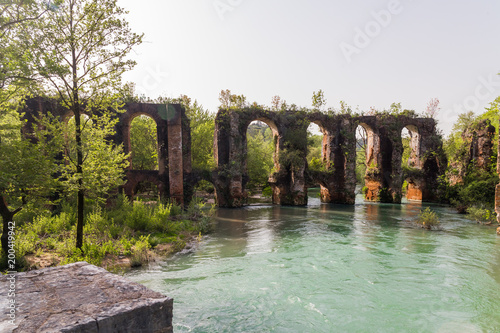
(126, 229)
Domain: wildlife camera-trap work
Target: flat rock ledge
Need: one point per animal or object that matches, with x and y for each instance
(81, 297)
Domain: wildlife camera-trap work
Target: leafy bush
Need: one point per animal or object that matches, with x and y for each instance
(139, 218)
(140, 254)
(267, 192)
(482, 215)
(428, 219)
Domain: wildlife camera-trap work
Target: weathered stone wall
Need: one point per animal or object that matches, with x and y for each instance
(174, 143)
(83, 298)
(384, 176)
(478, 149)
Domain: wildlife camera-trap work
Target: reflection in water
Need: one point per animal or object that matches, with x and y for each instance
(324, 268)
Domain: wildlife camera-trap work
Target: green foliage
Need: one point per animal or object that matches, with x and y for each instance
(482, 215)
(361, 145)
(318, 100)
(25, 167)
(480, 189)
(124, 229)
(140, 252)
(267, 192)
(231, 101)
(314, 148)
(364, 190)
(202, 124)
(144, 143)
(104, 162)
(260, 152)
(206, 186)
(410, 172)
(454, 146)
(428, 219)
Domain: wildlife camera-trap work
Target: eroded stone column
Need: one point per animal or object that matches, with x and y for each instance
(229, 151)
(374, 175)
(175, 153)
(339, 181)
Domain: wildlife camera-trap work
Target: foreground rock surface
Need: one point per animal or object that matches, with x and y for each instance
(83, 298)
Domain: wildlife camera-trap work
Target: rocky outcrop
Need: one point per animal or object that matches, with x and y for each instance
(83, 298)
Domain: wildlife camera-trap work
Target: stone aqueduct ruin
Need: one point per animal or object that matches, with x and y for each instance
(291, 176)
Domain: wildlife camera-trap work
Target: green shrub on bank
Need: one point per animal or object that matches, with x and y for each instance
(482, 215)
(123, 229)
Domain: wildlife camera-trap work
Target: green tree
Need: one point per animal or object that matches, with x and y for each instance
(314, 147)
(202, 124)
(318, 100)
(260, 151)
(361, 145)
(25, 168)
(454, 146)
(104, 161)
(79, 51)
(144, 143)
(231, 101)
(16, 71)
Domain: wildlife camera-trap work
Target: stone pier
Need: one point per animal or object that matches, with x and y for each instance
(82, 298)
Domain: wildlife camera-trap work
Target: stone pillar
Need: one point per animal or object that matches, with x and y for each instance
(393, 173)
(289, 182)
(374, 177)
(175, 155)
(339, 156)
(229, 151)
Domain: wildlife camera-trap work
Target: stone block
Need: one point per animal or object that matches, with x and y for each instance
(81, 297)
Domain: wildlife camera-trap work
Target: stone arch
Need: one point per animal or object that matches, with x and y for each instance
(125, 123)
(134, 177)
(325, 142)
(372, 144)
(172, 127)
(374, 181)
(414, 160)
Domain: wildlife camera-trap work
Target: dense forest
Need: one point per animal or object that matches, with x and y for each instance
(56, 180)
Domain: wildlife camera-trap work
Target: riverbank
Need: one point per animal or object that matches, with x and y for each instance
(118, 237)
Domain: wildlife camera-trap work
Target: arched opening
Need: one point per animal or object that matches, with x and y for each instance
(315, 146)
(361, 146)
(316, 159)
(367, 168)
(261, 141)
(204, 191)
(411, 164)
(143, 143)
(146, 191)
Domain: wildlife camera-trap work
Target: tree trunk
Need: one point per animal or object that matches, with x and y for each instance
(79, 147)
(7, 216)
(79, 172)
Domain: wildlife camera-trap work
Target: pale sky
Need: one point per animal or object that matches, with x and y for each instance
(367, 53)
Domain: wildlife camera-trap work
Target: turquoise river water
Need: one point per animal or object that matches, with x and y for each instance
(334, 268)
